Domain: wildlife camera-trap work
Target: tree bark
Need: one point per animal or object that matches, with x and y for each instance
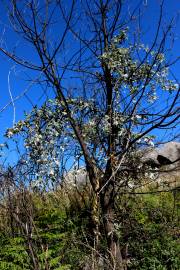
(114, 250)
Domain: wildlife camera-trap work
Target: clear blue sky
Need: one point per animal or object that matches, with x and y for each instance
(17, 75)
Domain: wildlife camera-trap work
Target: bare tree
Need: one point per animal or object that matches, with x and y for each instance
(109, 107)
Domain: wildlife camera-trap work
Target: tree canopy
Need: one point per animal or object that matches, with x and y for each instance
(110, 94)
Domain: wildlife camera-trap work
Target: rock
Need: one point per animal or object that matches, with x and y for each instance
(167, 159)
(76, 178)
(170, 151)
(167, 154)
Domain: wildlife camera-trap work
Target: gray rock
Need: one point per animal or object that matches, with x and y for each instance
(170, 151)
(167, 154)
(76, 177)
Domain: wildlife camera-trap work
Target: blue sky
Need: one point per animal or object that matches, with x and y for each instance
(34, 94)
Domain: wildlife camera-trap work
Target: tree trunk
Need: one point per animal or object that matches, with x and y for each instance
(95, 216)
(114, 250)
(95, 220)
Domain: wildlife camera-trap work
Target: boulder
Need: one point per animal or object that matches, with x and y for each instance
(76, 178)
(166, 162)
(167, 154)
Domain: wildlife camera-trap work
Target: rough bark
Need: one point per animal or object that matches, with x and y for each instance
(114, 250)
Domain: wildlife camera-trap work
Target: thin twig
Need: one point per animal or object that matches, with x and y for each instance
(11, 97)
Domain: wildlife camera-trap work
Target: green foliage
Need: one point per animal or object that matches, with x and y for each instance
(55, 229)
(148, 224)
(13, 254)
(151, 231)
(53, 240)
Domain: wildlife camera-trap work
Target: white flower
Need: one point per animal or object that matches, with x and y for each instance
(57, 162)
(9, 134)
(176, 85)
(51, 172)
(2, 145)
(125, 75)
(151, 143)
(62, 148)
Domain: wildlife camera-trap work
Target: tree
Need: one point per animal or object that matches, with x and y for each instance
(110, 108)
